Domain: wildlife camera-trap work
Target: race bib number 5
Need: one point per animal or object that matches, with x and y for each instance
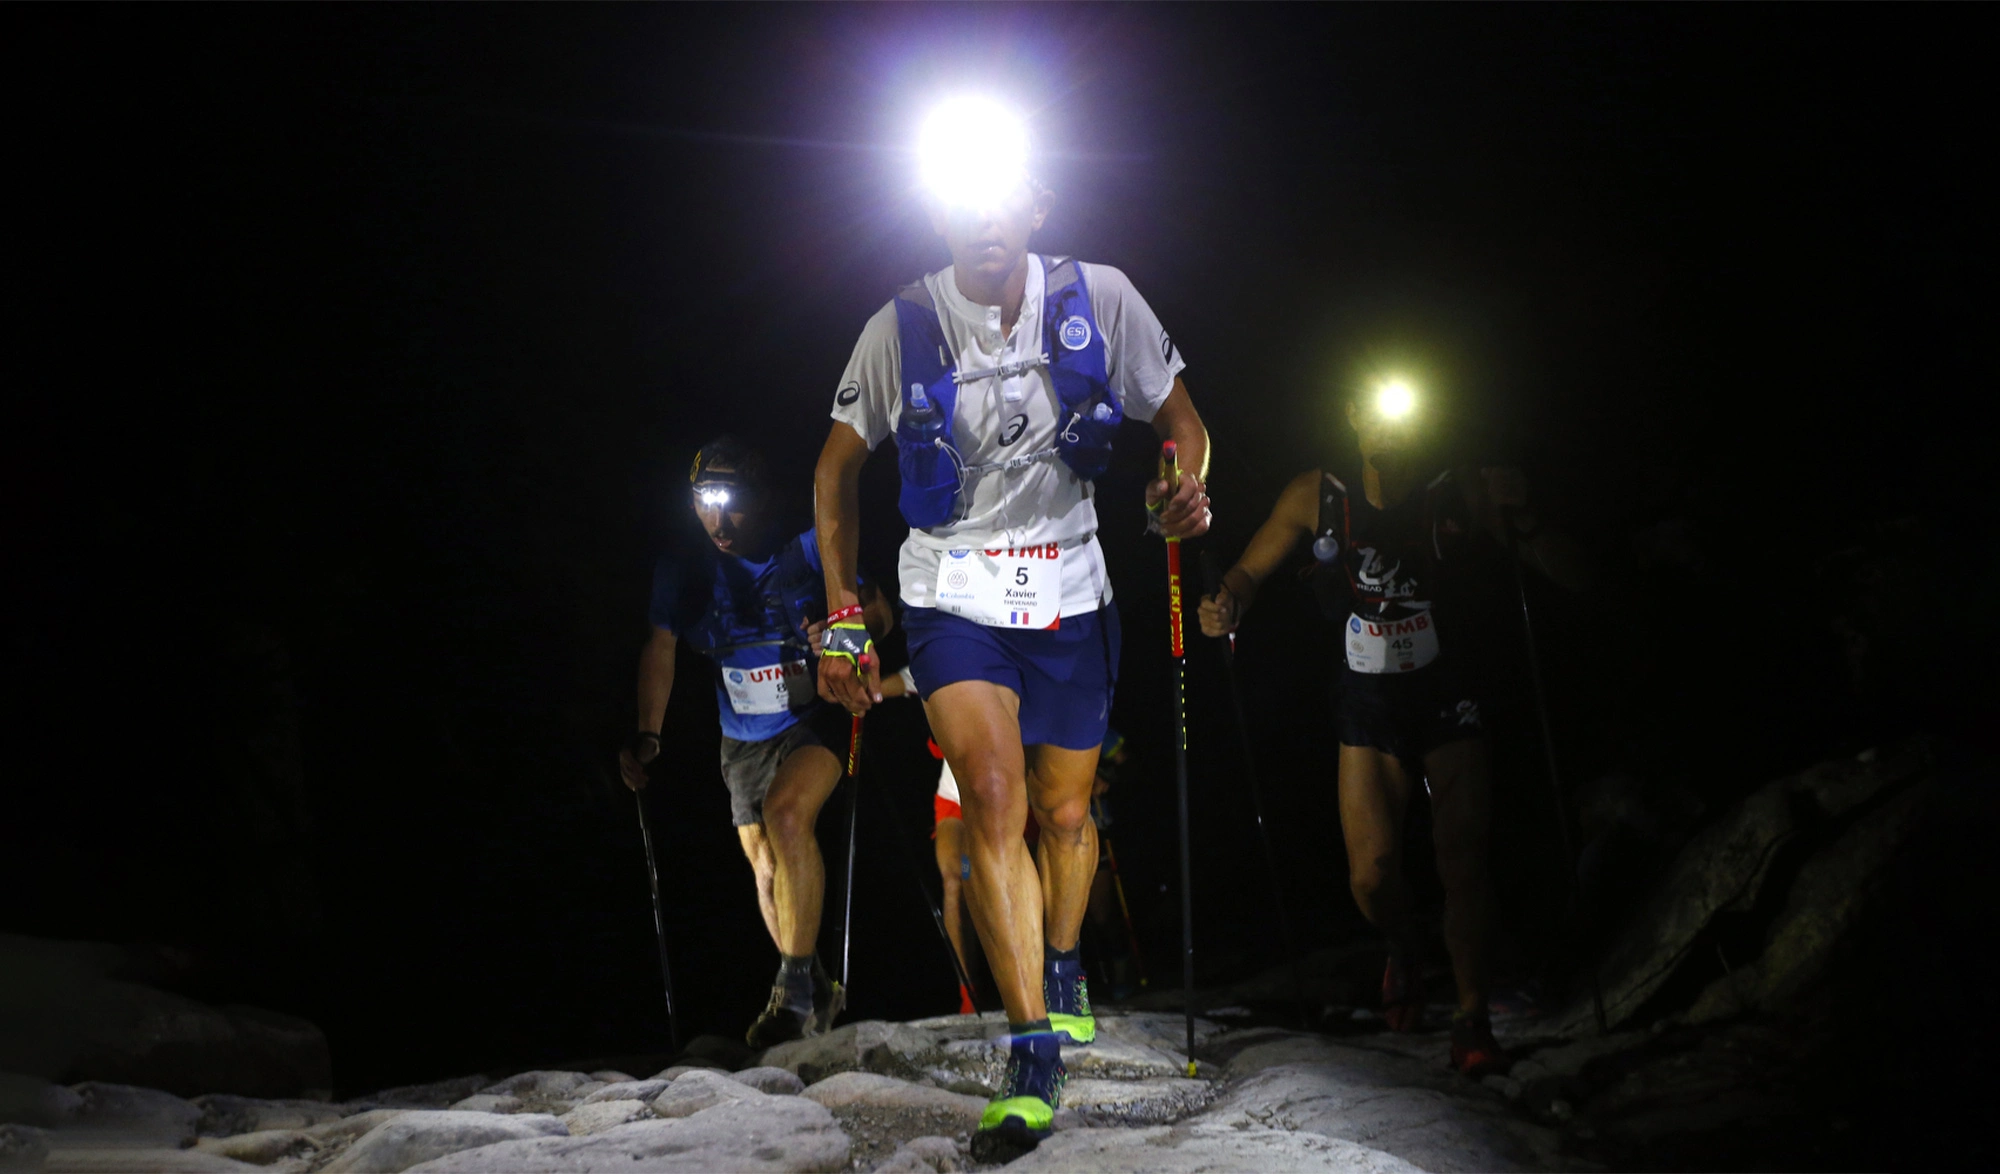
(1391, 646)
(773, 688)
(1018, 587)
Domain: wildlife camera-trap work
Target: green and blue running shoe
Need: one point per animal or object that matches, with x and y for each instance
(1024, 1113)
(1067, 990)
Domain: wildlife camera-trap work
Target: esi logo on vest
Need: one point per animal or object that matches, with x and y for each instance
(1075, 332)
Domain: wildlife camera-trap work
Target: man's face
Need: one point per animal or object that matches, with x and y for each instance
(988, 243)
(1388, 444)
(727, 512)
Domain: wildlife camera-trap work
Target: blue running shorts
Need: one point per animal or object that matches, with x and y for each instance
(1064, 678)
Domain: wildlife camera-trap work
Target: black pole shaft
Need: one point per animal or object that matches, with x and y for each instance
(1549, 750)
(659, 921)
(1213, 581)
(924, 890)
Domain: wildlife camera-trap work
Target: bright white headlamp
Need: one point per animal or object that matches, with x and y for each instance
(1395, 399)
(972, 152)
(713, 495)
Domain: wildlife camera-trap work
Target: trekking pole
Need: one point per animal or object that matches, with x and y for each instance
(1118, 886)
(937, 915)
(659, 921)
(1213, 580)
(853, 816)
(1170, 472)
(1549, 749)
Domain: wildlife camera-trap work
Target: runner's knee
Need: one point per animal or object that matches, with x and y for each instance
(1369, 876)
(1064, 819)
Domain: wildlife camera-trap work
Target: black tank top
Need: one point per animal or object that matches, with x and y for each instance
(1386, 564)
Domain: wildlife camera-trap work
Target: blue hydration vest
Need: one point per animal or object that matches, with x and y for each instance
(932, 469)
(745, 617)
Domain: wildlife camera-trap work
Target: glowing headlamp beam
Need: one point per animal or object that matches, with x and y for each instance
(1395, 399)
(972, 151)
(712, 497)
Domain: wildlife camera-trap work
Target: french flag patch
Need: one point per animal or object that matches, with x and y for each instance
(1018, 618)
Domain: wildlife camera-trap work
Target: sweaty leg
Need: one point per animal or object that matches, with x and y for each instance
(977, 724)
(1374, 791)
(1462, 803)
(1059, 783)
(757, 849)
(791, 808)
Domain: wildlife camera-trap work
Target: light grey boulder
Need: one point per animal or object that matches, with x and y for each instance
(613, 1076)
(421, 1135)
(871, 1095)
(435, 1095)
(124, 1115)
(760, 1134)
(701, 1089)
(1164, 1149)
(627, 1090)
(86, 1159)
(1415, 1108)
(23, 1149)
(1136, 1102)
(602, 1115)
(30, 1100)
(486, 1102)
(223, 1115)
(924, 1155)
(262, 1147)
(775, 1081)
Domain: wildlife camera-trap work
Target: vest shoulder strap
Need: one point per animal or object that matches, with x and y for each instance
(918, 293)
(1333, 511)
(1058, 272)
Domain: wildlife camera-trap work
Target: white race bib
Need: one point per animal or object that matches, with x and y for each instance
(774, 688)
(1018, 587)
(1391, 646)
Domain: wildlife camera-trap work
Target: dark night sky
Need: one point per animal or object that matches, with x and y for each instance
(356, 352)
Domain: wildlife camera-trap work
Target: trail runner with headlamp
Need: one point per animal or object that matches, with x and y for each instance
(1003, 378)
(746, 600)
(1389, 546)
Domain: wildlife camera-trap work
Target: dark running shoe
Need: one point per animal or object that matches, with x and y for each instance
(1067, 990)
(1024, 1113)
(779, 1024)
(1402, 995)
(1474, 1051)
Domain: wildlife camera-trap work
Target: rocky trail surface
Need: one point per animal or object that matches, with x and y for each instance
(867, 1096)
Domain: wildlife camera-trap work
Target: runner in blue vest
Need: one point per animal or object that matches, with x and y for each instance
(1391, 551)
(745, 599)
(1002, 379)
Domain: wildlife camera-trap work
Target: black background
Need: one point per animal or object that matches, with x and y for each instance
(357, 353)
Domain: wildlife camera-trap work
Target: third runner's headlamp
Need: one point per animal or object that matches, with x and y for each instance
(715, 487)
(972, 152)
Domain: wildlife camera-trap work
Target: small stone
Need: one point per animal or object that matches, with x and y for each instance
(226, 1116)
(775, 1081)
(133, 1116)
(613, 1076)
(486, 1102)
(937, 1155)
(599, 1116)
(676, 1071)
(627, 1090)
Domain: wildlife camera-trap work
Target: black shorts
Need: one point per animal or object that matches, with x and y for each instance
(1408, 714)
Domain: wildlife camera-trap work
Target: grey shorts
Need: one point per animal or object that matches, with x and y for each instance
(748, 768)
